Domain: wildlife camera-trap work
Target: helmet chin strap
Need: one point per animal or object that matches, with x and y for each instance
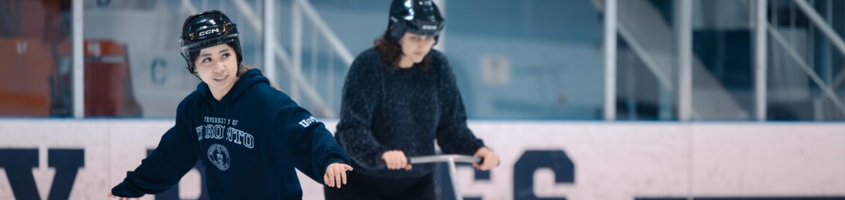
(190, 66)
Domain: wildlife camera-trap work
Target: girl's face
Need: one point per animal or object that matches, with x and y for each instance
(415, 47)
(217, 66)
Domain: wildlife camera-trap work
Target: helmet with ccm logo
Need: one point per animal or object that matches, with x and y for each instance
(207, 29)
(416, 16)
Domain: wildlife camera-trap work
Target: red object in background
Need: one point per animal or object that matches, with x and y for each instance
(27, 74)
(108, 84)
(30, 85)
(33, 37)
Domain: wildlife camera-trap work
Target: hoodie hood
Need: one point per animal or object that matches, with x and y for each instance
(250, 78)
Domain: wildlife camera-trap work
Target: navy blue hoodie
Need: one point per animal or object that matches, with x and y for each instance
(249, 143)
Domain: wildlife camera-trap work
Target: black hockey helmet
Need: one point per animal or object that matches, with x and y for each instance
(415, 16)
(206, 29)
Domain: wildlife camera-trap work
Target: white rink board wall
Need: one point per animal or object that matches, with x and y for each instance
(83, 159)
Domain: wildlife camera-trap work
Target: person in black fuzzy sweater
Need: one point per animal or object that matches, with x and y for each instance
(399, 97)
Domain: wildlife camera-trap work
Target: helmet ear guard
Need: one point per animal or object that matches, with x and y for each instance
(397, 30)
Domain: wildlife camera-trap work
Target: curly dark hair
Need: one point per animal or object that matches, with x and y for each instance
(391, 52)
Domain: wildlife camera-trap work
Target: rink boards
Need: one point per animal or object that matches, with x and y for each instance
(83, 159)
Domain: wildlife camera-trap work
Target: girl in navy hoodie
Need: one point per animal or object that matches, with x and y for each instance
(249, 135)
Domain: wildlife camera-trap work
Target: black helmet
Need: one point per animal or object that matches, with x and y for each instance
(208, 29)
(415, 16)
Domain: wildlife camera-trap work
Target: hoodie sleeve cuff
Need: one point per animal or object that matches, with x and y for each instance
(333, 161)
(125, 190)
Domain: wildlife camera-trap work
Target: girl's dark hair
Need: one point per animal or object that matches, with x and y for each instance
(391, 52)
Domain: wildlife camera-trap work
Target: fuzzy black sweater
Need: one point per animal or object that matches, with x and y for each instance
(401, 109)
